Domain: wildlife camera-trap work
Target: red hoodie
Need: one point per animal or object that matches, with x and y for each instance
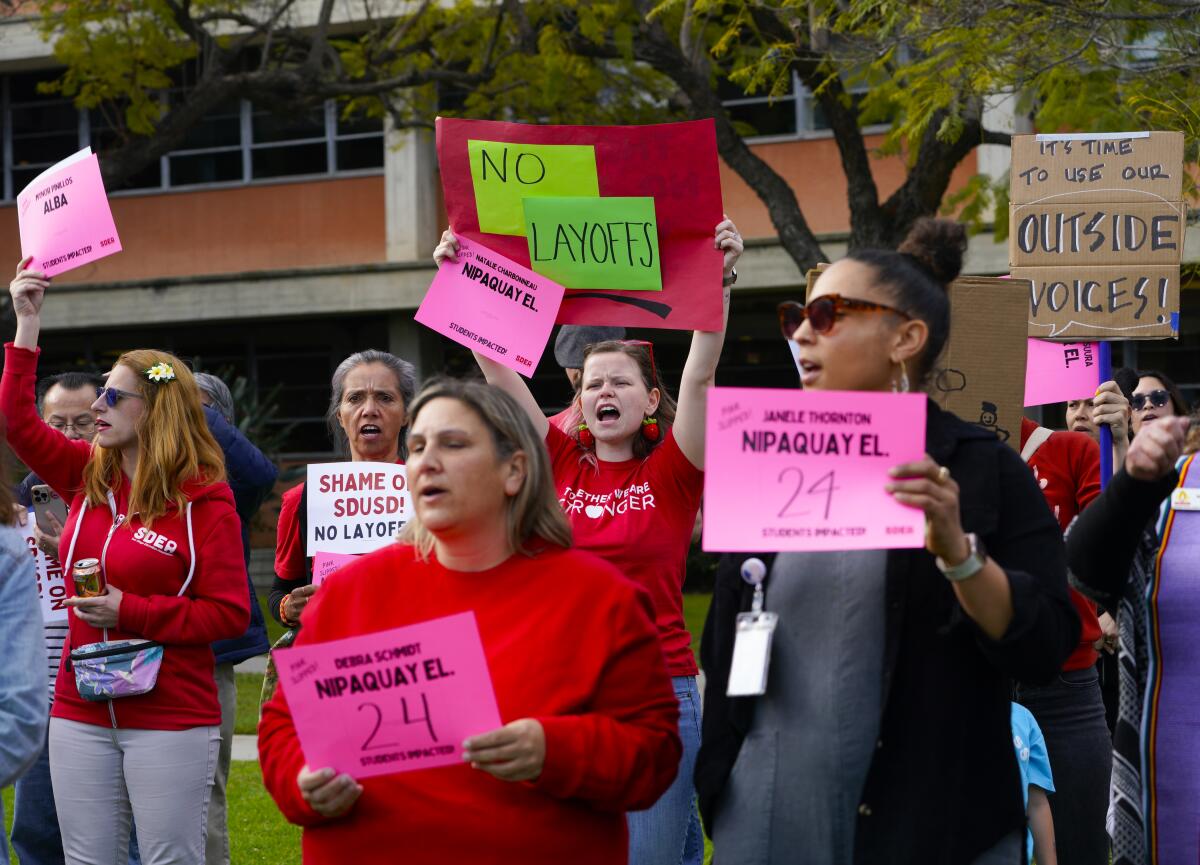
(149, 565)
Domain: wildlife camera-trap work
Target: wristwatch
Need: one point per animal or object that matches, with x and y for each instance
(968, 567)
(727, 281)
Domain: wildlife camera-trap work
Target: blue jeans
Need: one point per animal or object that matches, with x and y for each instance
(35, 836)
(668, 833)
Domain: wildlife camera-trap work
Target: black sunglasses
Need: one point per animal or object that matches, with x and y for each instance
(823, 311)
(1156, 398)
(112, 396)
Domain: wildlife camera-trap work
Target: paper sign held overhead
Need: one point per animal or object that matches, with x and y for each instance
(492, 305)
(392, 701)
(1061, 371)
(674, 164)
(790, 470)
(1097, 222)
(64, 217)
(505, 174)
(595, 242)
(355, 508)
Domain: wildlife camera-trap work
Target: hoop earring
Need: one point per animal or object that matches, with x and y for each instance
(650, 431)
(902, 385)
(585, 437)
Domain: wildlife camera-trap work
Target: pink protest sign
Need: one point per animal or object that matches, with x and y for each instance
(391, 701)
(1061, 371)
(64, 217)
(793, 470)
(492, 305)
(325, 564)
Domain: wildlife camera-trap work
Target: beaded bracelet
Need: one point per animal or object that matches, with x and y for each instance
(283, 615)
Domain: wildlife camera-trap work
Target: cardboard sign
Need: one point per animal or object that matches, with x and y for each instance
(504, 175)
(493, 306)
(51, 582)
(325, 564)
(392, 701)
(64, 217)
(355, 508)
(1061, 371)
(1096, 222)
(1102, 302)
(791, 470)
(980, 375)
(675, 164)
(595, 242)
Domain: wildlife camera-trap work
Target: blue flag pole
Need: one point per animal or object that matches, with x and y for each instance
(1106, 442)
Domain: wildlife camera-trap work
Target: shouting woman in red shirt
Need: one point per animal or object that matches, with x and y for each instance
(570, 646)
(630, 481)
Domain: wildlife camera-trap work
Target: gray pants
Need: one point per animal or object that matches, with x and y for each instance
(103, 778)
(216, 844)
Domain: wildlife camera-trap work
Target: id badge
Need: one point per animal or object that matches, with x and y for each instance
(751, 654)
(1184, 499)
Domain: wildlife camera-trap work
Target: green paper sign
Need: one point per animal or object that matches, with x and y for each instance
(609, 243)
(505, 174)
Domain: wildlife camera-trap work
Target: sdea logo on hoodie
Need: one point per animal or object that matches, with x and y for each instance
(154, 541)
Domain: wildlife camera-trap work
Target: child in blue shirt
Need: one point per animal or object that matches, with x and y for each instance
(1036, 782)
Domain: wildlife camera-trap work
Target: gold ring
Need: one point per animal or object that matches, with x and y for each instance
(943, 475)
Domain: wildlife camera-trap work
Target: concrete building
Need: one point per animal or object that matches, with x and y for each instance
(273, 246)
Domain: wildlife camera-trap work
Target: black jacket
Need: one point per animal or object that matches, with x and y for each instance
(944, 784)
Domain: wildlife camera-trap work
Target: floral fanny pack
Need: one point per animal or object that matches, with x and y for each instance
(116, 668)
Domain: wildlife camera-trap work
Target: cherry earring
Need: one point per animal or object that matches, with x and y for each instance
(650, 431)
(586, 439)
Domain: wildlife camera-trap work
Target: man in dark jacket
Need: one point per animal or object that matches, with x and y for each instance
(252, 477)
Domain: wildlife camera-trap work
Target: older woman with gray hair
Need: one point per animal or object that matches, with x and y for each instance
(367, 417)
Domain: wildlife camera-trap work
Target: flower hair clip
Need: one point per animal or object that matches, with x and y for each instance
(161, 372)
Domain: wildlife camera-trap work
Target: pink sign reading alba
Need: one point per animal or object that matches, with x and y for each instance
(391, 701)
(64, 217)
(793, 470)
(492, 305)
(1061, 371)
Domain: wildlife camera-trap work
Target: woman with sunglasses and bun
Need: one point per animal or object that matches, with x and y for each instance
(630, 480)
(884, 733)
(151, 511)
(1155, 396)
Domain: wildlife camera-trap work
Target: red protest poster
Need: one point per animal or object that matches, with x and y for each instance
(673, 164)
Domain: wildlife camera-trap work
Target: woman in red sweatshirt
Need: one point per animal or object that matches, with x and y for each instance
(571, 648)
(149, 501)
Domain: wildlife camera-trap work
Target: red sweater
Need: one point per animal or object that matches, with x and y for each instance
(1067, 468)
(149, 565)
(569, 642)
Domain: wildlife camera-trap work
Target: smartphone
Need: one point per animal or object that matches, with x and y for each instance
(45, 502)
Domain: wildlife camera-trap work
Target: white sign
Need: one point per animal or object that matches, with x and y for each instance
(52, 587)
(355, 507)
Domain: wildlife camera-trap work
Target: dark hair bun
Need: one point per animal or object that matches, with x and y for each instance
(939, 245)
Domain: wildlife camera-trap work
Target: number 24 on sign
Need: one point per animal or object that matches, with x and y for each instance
(793, 478)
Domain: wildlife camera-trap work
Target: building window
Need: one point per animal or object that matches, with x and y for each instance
(795, 114)
(235, 143)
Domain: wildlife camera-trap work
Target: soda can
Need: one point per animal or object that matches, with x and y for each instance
(86, 574)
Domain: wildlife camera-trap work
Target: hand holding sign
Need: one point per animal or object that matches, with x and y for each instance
(329, 794)
(928, 487)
